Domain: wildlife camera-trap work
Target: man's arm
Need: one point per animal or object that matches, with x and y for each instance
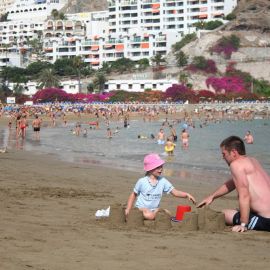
(227, 187)
(242, 187)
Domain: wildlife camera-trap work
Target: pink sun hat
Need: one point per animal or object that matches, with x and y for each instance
(152, 161)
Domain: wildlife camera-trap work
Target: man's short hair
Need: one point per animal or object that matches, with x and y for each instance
(234, 142)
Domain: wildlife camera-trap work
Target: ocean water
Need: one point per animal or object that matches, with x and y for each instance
(126, 151)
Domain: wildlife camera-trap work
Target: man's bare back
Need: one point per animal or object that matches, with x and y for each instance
(258, 183)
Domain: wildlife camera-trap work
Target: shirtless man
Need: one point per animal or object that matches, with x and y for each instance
(184, 138)
(36, 124)
(173, 133)
(252, 184)
(248, 138)
(161, 137)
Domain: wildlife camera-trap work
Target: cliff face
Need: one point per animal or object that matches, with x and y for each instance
(77, 6)
(251, 15)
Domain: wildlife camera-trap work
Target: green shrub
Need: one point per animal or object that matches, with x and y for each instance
(230, 17)
(184, 41)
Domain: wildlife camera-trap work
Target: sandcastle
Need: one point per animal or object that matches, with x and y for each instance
(203, 219)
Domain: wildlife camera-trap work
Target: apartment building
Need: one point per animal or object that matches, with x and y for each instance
(19, 32)
(138, 29)
(98, 50)
(159, 15)
(28, 10)
(4, 4)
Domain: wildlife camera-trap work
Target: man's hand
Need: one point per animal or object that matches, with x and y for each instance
(208, 200)
(239, 228)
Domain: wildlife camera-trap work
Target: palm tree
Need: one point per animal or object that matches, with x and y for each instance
(48, 78)
(158, 59)
(62, 16)
(183, 78)
(99, 81)
(181, 59)
(78, 64)
(55, 14)
(106, 68)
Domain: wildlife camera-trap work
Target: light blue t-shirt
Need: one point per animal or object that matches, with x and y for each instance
(149, 196)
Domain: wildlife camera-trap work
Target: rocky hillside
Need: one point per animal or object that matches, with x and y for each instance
(77, 6)
(251, 15)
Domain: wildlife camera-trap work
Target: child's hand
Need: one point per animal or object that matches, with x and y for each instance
(191, 198)
(126, 211)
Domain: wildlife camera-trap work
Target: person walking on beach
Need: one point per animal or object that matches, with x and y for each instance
(36, 124)
(149, 189)
(252, 184)
(185, 139)
(248, 138)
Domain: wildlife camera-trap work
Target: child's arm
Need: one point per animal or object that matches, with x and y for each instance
(181, 194)
(130, 202)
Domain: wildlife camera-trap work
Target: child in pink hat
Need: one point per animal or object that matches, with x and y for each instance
(149, 189)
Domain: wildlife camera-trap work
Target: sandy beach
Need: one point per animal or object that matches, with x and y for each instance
(48, 222)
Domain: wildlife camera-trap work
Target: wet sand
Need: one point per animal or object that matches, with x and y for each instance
(47, 222)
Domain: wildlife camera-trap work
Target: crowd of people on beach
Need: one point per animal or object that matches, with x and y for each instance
(249, 179)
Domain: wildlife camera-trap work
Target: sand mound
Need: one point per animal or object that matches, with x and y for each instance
(210, 220)
(117, 215)
(163, 220)
(203, 219)
(135, 219)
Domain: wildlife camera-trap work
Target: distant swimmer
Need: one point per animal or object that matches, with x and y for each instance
(173, 133)
(85, 132)
(142, 137)
(169, 147)
(185, 139)
(161, 137)
(249, 138)
(36, 124)
(109, 133)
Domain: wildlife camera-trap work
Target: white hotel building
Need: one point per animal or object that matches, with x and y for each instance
(25, 22)
(136, 29)
(4, 4)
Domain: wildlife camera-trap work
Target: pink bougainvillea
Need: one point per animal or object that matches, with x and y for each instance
(226, 46)
(56, 94)
(51, 95)
(208, 67)
(226, 84)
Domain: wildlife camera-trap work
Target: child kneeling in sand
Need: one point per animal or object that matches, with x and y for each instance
(149, 189)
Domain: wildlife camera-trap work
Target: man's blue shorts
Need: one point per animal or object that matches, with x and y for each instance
(256, 222)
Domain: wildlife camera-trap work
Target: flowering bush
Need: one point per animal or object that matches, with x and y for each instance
(245, 76)
(206, 94)
(51, 95)
(226, 84)
(199, 63)
(226, 46)
(180, 92)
